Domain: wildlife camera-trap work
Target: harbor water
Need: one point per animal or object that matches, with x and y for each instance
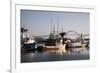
(36, 56)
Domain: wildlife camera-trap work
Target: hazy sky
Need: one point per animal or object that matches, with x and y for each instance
(39, 22)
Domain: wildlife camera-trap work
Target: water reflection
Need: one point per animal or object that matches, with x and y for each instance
(54, 55)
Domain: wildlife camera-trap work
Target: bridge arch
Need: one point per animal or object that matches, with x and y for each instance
(73, 34)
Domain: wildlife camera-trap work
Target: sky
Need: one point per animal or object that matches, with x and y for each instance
(39, 22)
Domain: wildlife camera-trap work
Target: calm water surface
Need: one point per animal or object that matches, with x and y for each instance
(30, 56)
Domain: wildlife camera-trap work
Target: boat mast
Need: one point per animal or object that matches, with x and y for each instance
(51, 24)
(57, 24)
